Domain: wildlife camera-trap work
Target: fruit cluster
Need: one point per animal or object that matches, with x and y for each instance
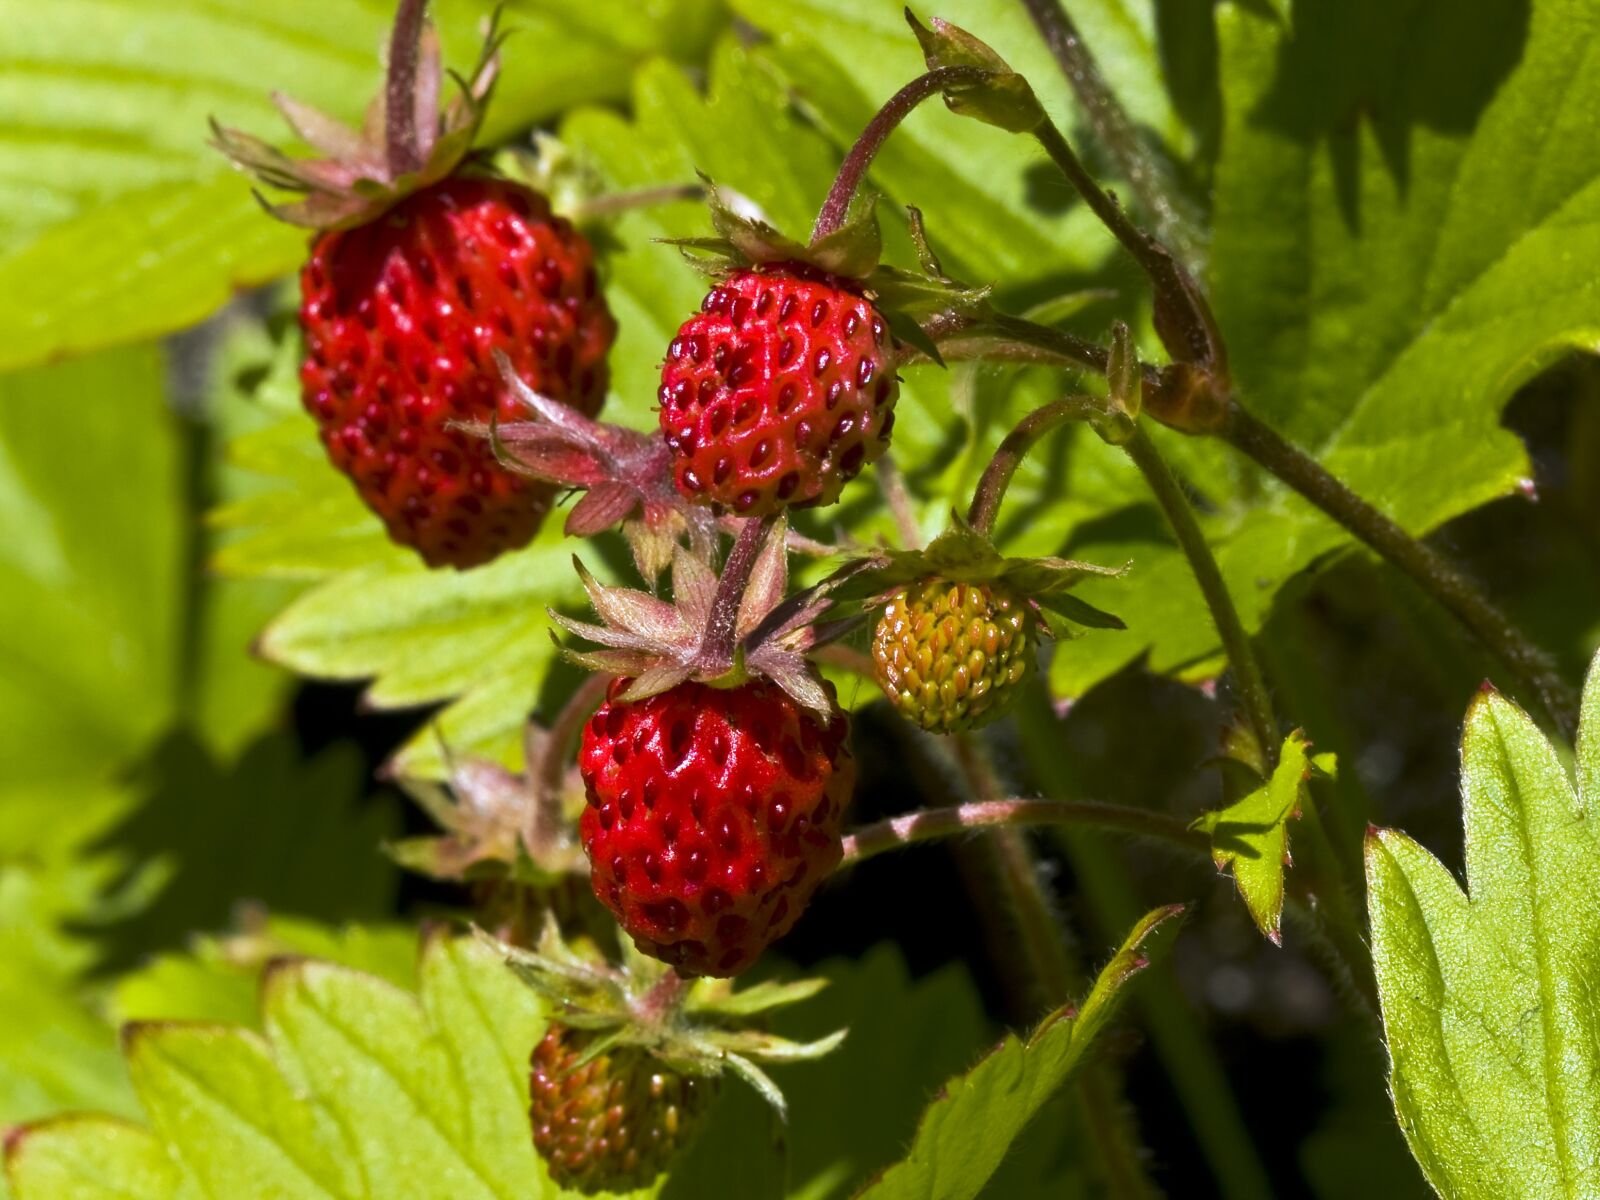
(456, 340)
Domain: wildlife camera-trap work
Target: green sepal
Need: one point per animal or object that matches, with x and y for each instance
(963, 555)
(853, 249)
(1003, 98)
(1080, 612)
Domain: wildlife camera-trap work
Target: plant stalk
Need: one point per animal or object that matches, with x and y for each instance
(1247, 675)
(401, 145)
(1179, 1038)
(1051, 967)
(1429, 569)
(1143, 171)
(1014, 448)
(717, 647)
(931, 823)
(1183, 317)
(854, 168)
(898, 497)
(545, 815)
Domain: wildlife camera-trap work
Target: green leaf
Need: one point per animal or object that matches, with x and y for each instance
(966, 1132)
(356, 1089)
(1489, 1007)
(1251, 836)
(979, 190)
(89, 589)
(1393, 254)
(119, 223)
(91, 1158)
(852, 1112)
(270, 828)
(217, 979)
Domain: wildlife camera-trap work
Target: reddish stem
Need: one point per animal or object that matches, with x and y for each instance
(402, 146)
(545, 816)
(931, 823)
(1008, 457)
(854, 168)
(716, 648)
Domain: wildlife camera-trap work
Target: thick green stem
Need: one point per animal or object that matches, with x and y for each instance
(1143, 170)
(1183, 317)
(929, 824)
(1247, 675)
(1008, 456)
(1440, 578)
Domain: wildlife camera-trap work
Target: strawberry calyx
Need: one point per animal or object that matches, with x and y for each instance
(626, 476)
(963, 555)
(722, 631)
(847, 256)
(700, 1027)
(497, 824)
(406, 143)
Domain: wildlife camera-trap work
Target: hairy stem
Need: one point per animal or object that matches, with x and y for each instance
(716, 648)
(1183, 317)
(1100, 1103)
(545, 816)
(932, 823)
(1143, 171)
(1435, 574)
(898, 497)
(1012, 339)
(997, 337)
(611, 204)
(854, 168)
(401, 144)
(1235, 641)
(656, 1005)
(1008, 456)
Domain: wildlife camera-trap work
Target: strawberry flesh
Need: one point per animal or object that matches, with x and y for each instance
(713, 815)
(402, 317)
(778, 391)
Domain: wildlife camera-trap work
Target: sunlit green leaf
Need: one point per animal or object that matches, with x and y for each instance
(119, 222)
(1488, 1000)
(965, 1133)
(356, 1089)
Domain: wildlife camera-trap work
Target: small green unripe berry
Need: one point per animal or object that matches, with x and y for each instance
(617, 1121)
(951, 656)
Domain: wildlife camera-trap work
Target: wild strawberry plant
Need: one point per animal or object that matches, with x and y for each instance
(1023, 427)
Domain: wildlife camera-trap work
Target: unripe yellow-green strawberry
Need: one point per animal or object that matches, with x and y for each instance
(950, 655)
(615, 1122)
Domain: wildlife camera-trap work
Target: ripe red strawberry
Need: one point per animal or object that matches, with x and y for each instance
(422, 269)
(402, 318)
(713, 815)
(778, 391)
(613, 1123)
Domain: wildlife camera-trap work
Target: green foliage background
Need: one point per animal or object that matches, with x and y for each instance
(1400, 209)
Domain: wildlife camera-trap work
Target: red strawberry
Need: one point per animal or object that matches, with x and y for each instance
(424, 268)
(778, 391)
(615, 1122)
(402, 318)
(713, 815)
